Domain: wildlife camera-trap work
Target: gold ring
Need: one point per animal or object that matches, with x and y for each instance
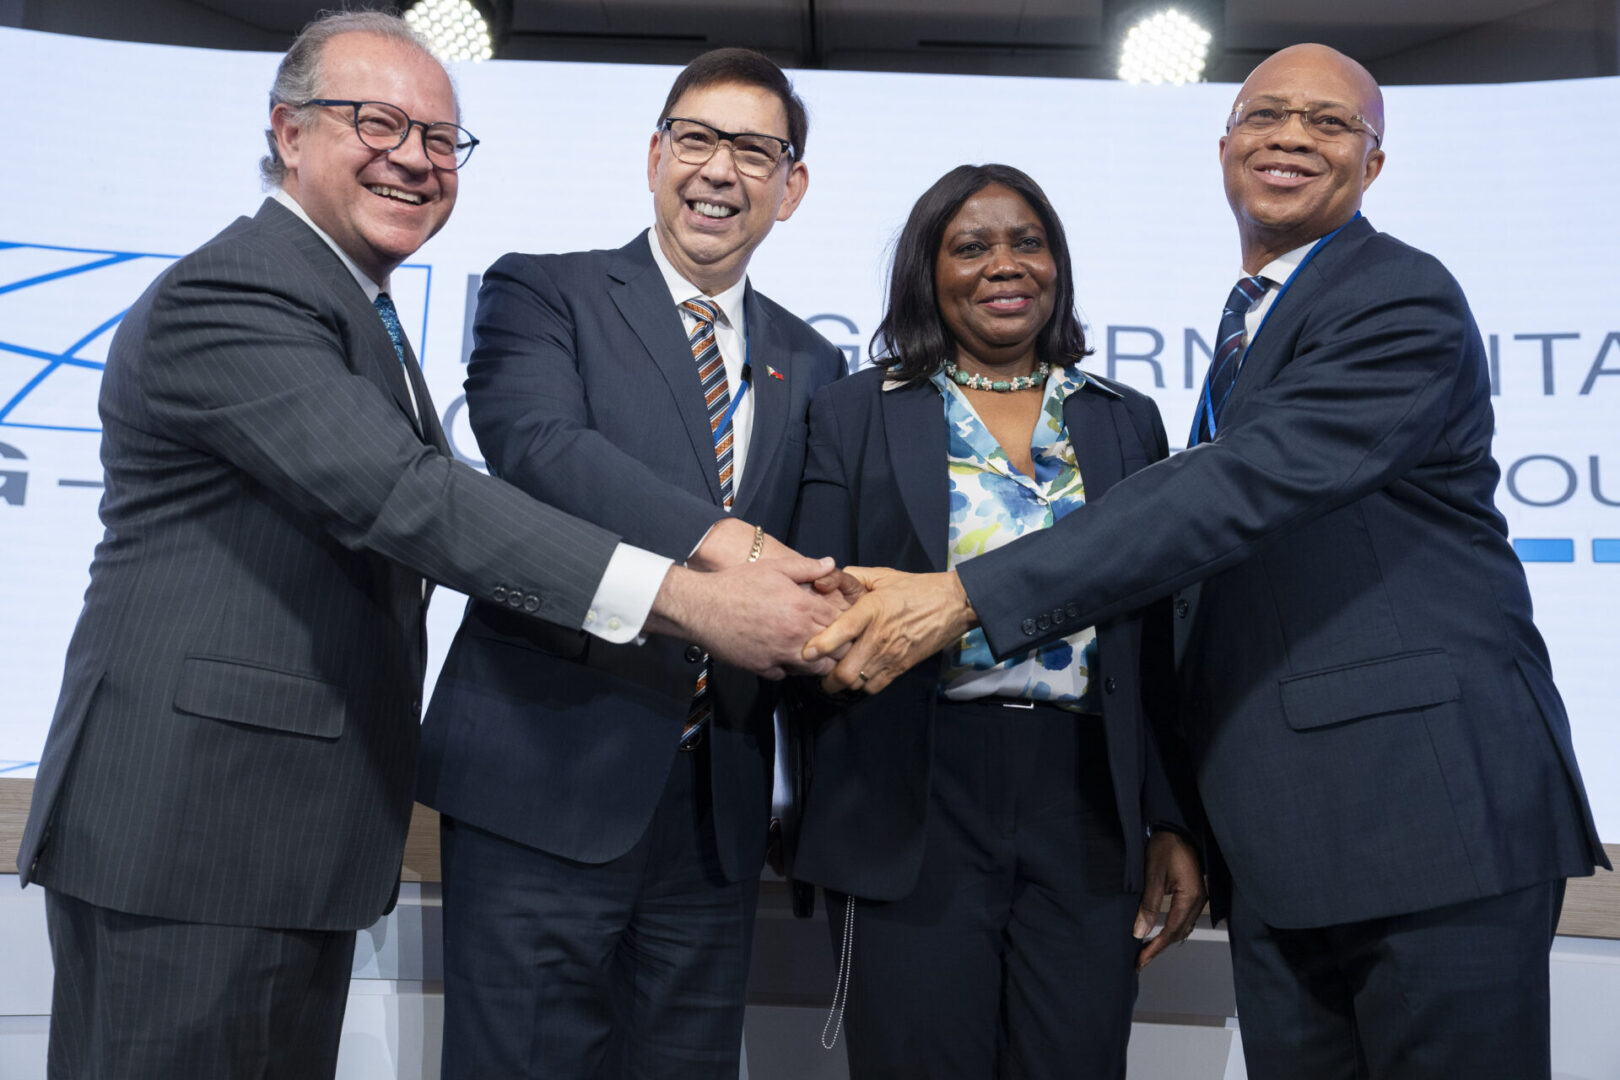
(861, 675)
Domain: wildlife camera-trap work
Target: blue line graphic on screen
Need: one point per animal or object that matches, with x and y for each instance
(59, 307)
(1549, 549)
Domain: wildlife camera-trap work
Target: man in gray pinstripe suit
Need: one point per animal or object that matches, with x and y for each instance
(224, 794)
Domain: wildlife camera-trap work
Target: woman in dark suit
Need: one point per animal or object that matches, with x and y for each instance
(980, 827)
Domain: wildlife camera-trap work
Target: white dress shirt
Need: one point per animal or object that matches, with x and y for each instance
(1276, 272)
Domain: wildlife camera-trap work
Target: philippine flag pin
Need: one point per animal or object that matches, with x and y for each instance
(773, 373)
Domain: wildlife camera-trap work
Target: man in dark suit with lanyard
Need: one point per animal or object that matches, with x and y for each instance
(225, 791)
(1384, 760)
(605, 808)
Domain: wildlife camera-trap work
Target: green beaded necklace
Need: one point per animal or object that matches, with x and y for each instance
(1000, 386)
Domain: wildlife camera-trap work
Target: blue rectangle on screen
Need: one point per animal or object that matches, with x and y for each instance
(1606, 550)
(1561, 549)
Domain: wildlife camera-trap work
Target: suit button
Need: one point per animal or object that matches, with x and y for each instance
(416, 706)
(1058, 616)
(1043, 622)
(1028, 627)
(694, 653)
(1073, 610)
(1182, 607)
(499, 594)
(1108, 685)
(514, 599)
(531, 603)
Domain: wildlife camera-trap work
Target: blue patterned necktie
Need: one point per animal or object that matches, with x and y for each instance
(1228, 357)
(716, 398)
(390, 320)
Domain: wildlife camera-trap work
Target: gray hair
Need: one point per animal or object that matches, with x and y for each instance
(298, 78)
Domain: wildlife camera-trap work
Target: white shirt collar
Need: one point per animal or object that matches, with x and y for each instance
(371, 287)
(730, 302)
(1280, 269)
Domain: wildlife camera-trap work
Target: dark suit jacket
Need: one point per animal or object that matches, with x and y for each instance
(236, 736)
(582, 391)
(876, 493)
(1371, 708)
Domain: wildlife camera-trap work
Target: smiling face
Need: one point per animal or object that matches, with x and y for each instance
(995, 282)
(378, 206)
(1291, 186)
(709, 218)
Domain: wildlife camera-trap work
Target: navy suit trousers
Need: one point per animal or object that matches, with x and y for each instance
(1013, 956)
(1457, 991)
(633, 968)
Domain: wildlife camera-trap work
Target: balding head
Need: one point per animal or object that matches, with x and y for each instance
(1286, 64)
(1302, 144)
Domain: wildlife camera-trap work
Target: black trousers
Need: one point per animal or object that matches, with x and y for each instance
(1458, 991)
(1013, 956)
(139, 998)
(633, 968)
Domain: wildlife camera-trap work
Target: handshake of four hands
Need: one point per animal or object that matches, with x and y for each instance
(775, 612)
(766, 608)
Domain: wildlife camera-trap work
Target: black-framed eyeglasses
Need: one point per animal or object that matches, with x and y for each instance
(754, 154)
(1262, 116)
(385, 127)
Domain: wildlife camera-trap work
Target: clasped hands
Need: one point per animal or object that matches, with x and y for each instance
(781, 613)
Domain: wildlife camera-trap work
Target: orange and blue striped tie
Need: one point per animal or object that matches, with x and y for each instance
(717, 398)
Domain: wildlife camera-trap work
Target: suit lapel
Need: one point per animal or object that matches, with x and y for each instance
(1091, 421)
(429, 428)
(1274, 344)
(771, 395)
(377, 359)
(914, 425)
(639, 292)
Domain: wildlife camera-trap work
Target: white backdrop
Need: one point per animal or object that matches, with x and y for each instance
(136, 153)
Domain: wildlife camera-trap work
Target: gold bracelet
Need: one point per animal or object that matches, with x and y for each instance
(759, 543)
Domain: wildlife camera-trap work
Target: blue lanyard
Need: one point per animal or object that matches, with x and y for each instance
(736, 399)
(1206, 406)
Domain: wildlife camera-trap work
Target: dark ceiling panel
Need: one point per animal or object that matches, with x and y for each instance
(1409, 40)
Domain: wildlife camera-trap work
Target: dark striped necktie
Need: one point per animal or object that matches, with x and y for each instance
(716, 398)
(1228, 357)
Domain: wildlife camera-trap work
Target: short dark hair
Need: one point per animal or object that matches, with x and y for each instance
(751, 69)
(912, 341)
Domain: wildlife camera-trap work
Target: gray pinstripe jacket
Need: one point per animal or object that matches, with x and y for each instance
(235, 740)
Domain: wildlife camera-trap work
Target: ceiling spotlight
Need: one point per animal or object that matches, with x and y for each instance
(1166, 47)
(455, 29)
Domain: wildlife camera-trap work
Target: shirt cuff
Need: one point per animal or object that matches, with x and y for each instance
(624, 598)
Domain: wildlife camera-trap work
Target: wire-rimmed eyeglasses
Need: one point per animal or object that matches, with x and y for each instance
(1262, 116)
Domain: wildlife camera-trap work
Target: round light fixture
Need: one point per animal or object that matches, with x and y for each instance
(1167, 47)
(455, 29)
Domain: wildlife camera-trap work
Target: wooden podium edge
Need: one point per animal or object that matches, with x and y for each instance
(1591, 906)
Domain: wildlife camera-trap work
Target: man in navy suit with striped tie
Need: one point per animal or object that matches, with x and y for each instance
(224, 794)
(1391, 790)
(604, 809)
